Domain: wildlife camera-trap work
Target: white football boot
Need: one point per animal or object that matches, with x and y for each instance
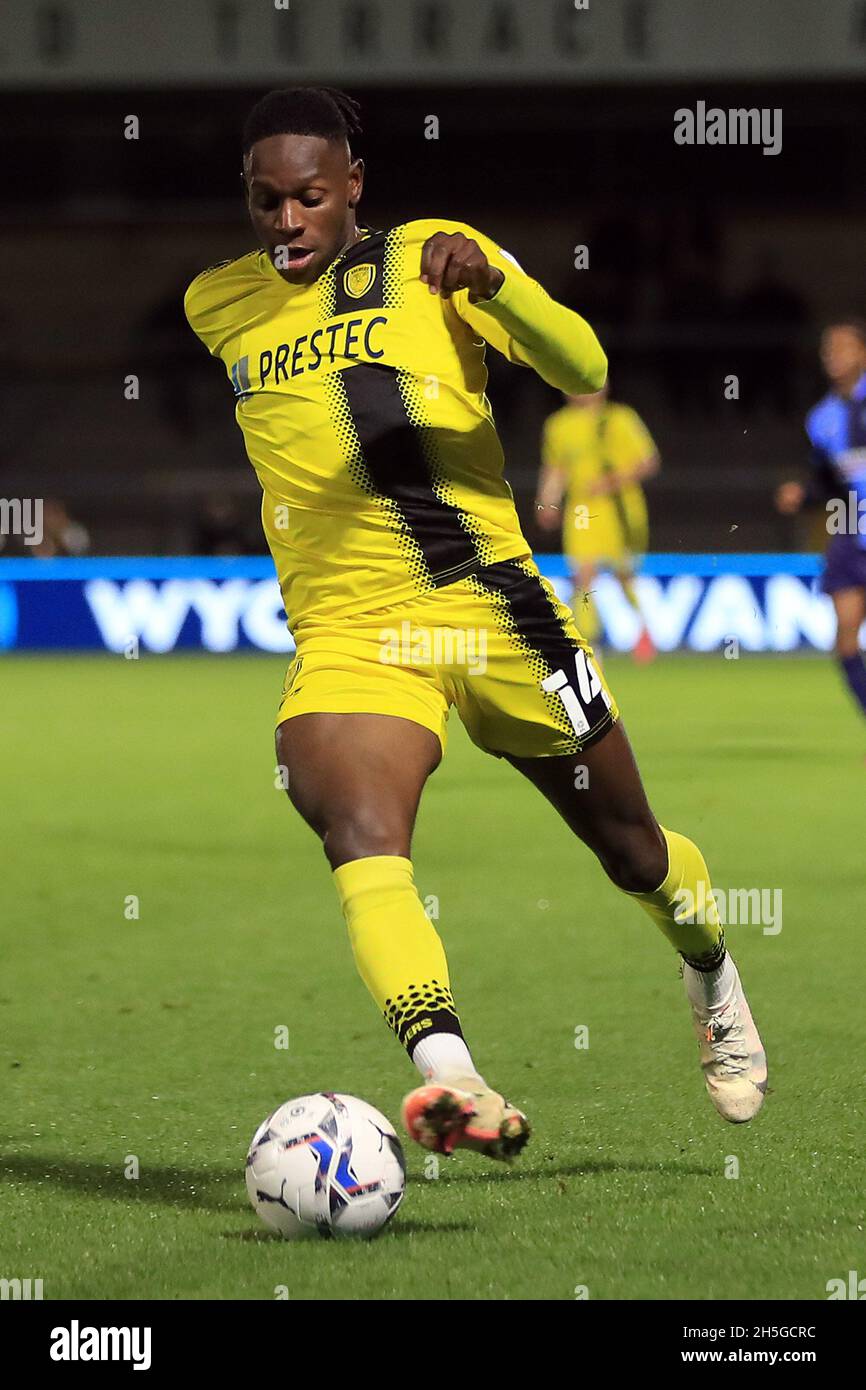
(733, 1059)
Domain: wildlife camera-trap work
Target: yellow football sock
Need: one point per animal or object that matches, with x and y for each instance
(398, 952)
(683, 906)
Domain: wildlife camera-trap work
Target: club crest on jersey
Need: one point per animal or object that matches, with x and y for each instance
(357, 280)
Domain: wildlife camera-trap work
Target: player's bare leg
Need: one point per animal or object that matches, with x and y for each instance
(357, 780)
(850, 606)
(610, 814)
(608, 809)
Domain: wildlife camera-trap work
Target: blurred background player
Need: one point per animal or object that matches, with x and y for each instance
(836, 427)
(596, 453)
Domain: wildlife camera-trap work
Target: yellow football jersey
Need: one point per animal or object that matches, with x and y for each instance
(589, 444)
(362, 403)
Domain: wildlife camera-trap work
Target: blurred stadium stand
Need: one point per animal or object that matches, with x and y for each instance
(702, 263)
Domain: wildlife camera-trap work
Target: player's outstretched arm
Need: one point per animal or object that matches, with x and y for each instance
(510, 310)
(548, 499)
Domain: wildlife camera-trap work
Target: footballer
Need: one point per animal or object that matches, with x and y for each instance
(357, 361)
(836, 428)
(596, 454)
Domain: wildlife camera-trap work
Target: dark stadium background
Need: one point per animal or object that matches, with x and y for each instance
(703, 262)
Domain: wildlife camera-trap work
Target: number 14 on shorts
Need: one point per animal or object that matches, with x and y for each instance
(576, 701)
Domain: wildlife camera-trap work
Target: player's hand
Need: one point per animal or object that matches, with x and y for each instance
(548, 517)
(789, 498)
(451, 261)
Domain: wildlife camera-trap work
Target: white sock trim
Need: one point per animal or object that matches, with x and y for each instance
(439, 1055)
(711, 990)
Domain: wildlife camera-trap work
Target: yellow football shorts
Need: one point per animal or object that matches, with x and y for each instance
(616, 533)
(499, 645)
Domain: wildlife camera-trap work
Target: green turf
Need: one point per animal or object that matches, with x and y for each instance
(154, 1037)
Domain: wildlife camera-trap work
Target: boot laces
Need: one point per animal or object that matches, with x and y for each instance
(726, 1036)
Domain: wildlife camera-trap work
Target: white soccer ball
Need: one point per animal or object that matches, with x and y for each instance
(325, 1165)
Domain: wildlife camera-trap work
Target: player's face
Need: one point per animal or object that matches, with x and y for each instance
(843, 355)
(302, 192)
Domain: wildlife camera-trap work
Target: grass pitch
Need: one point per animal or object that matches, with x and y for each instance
(153, 1038)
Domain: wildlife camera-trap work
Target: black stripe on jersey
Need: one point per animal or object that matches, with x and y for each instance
(537, 629)
(396, 462)
(392, 453)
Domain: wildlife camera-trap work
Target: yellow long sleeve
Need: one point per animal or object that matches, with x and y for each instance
(530, 328)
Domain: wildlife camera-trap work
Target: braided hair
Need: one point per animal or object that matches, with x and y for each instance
(323, 111)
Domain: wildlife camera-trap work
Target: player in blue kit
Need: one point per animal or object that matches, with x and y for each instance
(836, 427)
